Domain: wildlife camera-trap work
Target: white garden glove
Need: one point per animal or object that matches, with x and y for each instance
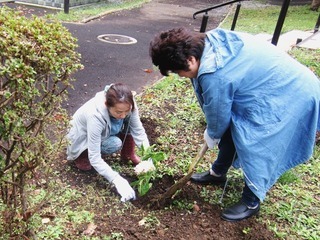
(146, 144)
(124, 189)
(210, 142)
(144, 166)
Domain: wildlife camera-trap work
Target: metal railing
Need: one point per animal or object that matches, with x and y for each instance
(316, 27)
(277, 30)
(206, 16)
(282, 16)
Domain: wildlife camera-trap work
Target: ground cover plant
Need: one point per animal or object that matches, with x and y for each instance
(82, 205)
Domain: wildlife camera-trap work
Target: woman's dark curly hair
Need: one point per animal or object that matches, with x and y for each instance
(171, 49)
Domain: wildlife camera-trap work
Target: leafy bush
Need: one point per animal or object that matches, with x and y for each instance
(37, 59)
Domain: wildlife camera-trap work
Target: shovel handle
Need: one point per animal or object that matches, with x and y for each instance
(200, 155)
(178, 185)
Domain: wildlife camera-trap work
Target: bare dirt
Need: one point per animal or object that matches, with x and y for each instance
(163, 220)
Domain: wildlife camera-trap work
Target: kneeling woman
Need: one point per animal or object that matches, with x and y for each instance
(105, 124)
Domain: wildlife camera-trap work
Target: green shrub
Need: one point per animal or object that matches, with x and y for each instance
(37, 59)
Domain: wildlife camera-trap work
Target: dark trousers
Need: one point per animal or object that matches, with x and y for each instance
(227, 154)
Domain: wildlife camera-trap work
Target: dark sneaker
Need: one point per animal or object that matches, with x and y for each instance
(239, 211)
(207, 178)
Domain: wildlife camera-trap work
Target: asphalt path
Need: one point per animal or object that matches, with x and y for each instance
(106, 63)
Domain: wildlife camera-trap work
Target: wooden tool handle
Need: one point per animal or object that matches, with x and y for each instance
(179, 184)
(200, 155)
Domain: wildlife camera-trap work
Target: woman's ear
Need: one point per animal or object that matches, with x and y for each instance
(192, 59)
(193, 65)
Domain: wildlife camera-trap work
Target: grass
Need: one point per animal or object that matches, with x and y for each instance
(250, 18)
(310, 58)
(87, 12)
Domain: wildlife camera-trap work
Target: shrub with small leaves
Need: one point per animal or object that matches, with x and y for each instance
(37, 59)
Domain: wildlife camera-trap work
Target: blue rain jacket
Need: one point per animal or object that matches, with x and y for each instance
(269, 100)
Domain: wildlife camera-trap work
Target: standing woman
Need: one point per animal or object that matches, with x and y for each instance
(263, 106)
(105, 124)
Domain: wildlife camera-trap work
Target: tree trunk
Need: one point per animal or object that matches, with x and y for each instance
(315, 5)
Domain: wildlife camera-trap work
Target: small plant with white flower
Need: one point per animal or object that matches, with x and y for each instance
(146, 169)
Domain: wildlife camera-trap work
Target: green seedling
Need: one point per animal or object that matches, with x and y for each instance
(144, 184)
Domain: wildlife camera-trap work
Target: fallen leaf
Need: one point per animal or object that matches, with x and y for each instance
(196, 208)
(90, 229)
(45, 220)
(58, 117)
(147, 70)
(142, 222)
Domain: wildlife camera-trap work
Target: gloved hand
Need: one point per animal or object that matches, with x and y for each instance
(144, 166)
(210, 142)
(146, 145)
(124, 189)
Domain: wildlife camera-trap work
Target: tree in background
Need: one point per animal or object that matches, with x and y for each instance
(315, 5)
